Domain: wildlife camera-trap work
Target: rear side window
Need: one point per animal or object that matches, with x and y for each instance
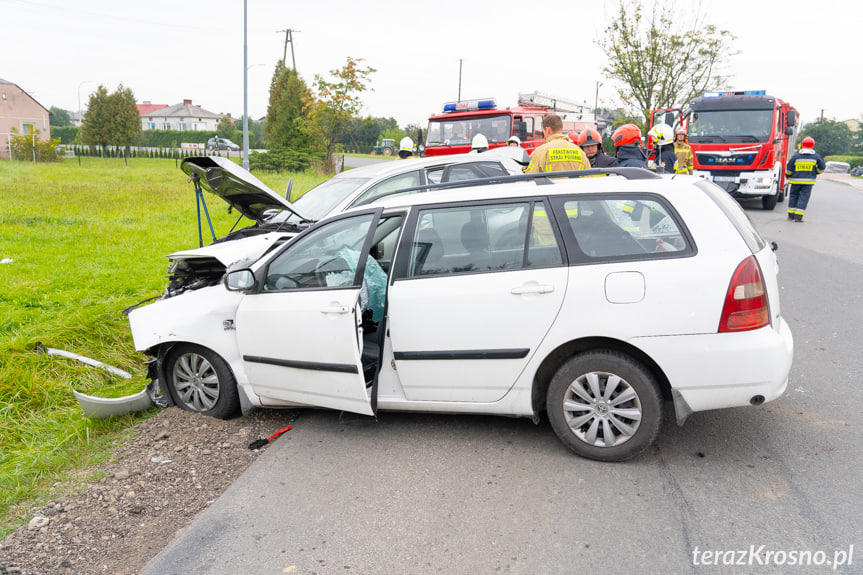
(624, 227)
(736, 214)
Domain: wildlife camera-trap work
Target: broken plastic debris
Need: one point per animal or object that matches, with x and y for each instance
(6, 261)
(51, 351)
(158, 459)
(102, 407)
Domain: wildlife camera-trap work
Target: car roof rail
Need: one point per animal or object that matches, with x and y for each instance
(541, 179)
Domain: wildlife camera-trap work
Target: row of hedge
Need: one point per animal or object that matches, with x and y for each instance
(119, 152)
(149, 138)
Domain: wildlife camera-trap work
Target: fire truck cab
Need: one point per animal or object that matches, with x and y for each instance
(452, 131)
(741, 141)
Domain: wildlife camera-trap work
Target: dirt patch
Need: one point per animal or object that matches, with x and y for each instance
(176, 464)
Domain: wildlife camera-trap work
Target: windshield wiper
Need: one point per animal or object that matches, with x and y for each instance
(748, 138)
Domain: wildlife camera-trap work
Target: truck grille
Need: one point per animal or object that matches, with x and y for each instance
(709, 160)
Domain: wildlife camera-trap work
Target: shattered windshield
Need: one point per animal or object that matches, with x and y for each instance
(460, 131)
(737, 126)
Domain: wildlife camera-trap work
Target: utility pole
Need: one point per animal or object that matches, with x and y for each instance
(459, 79)
(596, 100)
(289, 38)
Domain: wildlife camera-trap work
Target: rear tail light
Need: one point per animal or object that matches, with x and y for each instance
(746, 301)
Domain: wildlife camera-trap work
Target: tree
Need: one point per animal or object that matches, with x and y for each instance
(289, 99)
(125, 121)
(336, 103)
(226, 129)
(95, 128)
(111, 119)
(664, 57)
(832, 138)
(59, 118)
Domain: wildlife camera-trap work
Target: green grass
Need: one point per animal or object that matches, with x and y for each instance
(86, 242)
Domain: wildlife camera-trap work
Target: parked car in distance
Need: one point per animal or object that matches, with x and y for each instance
(588, 300)
(275, 219)
(222, 144)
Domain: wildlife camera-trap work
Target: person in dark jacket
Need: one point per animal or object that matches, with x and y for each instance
(627, 142)
(591, 142)
(800, 172)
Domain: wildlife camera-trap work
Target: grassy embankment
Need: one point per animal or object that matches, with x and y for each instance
(85, 242)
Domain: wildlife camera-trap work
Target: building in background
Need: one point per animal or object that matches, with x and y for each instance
(21, 111)
(185, 116)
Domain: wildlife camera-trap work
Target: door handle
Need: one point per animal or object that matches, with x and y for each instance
(534, 288)
(335, 308)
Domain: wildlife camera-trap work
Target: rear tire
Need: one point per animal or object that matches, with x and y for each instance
(388, 151)
(200, 380)
(604, 405)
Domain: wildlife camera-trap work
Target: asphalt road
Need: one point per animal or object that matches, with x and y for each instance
(465, 494)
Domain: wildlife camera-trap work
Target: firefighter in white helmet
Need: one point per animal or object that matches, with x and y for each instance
(479, 143)
(406, 148)
(683, 151)
(664, 158)
(513, 141)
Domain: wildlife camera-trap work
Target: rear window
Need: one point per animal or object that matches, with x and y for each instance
(739, 218)
(624, 227)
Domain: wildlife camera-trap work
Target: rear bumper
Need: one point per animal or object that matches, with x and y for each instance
(702, 377)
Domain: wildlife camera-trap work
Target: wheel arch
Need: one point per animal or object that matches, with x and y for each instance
(553, 361)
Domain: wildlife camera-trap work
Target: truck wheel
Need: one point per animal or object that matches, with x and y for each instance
(769, 202)
(604, 405)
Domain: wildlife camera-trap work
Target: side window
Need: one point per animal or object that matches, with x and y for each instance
(622, 227)
(408, 180)
(472, 171)
(528, 128)
(494, 237)
(324, 258)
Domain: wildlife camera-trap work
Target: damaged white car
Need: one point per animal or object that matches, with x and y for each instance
(588, 299)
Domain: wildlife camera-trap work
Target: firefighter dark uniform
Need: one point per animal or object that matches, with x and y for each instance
(685, 159)
(557, 154)
(800, 173)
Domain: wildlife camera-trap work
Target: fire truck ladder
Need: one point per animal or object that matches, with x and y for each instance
(539, 100)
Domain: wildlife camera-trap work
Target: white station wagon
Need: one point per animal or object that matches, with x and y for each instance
(589, 299)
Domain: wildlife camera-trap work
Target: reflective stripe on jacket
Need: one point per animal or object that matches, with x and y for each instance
(804, 166)
(557, 154)
(685, 159)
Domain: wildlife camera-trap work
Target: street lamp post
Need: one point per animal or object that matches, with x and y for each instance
(245, 86)
(596, 100)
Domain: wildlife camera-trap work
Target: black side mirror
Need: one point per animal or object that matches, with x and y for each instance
(791, 119)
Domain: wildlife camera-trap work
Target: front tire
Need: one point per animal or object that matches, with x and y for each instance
(200, 380)
(604, 405)
(769, 202)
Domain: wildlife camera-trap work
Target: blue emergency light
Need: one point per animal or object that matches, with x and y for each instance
(744, 93)
(469, 105)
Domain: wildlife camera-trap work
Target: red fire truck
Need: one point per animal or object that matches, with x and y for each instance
(741, 141)
(452, 131)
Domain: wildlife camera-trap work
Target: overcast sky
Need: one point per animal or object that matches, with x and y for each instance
(802, 51)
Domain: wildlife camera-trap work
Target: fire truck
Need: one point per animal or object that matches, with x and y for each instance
(741, 141)
(452, 131)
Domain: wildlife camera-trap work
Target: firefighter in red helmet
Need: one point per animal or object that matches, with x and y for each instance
(800, 172)
(591, 142)
(627, 141)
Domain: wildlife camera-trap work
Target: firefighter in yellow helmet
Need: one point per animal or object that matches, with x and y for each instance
(683, 151)
(558, 153)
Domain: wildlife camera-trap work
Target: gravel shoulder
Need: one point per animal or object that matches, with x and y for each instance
(176, 464)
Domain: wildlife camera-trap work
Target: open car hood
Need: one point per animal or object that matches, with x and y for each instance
(237, 186)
